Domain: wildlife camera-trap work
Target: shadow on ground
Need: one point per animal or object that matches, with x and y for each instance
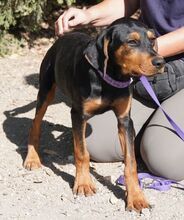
(16, 130)
(52, 149)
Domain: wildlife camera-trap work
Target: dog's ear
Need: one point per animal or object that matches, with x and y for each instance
(97, 52)
(91, 54)
(106, 54)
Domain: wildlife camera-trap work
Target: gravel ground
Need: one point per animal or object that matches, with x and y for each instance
(46, 193)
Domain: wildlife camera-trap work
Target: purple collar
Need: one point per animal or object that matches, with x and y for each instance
(109, 80)
(114, 83)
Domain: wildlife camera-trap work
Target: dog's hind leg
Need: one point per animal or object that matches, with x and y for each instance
(83, 184)
(45, 96)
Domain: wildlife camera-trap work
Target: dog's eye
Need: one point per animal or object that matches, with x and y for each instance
(133, 43)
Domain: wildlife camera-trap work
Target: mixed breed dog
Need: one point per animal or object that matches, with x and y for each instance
(79, 66)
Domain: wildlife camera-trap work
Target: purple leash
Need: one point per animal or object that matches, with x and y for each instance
(153, 96)
(157, 183)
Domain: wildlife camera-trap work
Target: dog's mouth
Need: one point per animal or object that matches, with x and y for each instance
(144, 65)
(146, 70)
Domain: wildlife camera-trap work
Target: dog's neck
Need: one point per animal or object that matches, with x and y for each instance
(115, 72)
(114, 78)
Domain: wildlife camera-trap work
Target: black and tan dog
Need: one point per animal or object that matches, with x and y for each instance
(79, 66)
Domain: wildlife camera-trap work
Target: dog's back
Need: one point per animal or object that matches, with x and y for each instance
(61, 60)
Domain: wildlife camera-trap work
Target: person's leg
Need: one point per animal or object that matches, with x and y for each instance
(102, 133)
(161, 149)
(102, 138)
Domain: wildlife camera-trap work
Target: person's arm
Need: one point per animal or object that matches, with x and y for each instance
(108, 11)
(172, 43)
(101, 14)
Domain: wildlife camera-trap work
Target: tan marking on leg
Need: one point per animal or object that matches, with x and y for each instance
(90, 106)
(83, 183)
(32, 160)
(122, 106)
(135, 197)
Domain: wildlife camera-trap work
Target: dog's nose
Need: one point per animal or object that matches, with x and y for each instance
(158, 62)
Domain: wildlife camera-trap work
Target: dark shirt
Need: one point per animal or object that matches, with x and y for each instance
(163, 16)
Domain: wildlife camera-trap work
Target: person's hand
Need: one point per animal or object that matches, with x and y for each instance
(70, 19)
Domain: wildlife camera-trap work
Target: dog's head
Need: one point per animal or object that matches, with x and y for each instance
(128, 44)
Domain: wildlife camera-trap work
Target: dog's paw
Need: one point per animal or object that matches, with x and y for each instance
(137, 203)
(85, 187)
(32, 163)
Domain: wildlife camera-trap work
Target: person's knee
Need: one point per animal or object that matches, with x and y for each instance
(161, 149)
(162, 155)
(102, 138)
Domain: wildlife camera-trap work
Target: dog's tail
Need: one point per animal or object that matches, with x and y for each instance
(47, 72)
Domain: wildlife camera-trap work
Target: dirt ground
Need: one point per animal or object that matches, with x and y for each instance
(46, 193)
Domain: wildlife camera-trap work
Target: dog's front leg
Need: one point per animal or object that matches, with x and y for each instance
(83, 183)
(135, 198)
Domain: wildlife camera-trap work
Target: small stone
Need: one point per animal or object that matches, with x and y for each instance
(145, 212)
(64, 213)
(113, 200)
(63, 198)
(70, 158)
(37, 180)
(48, 171)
